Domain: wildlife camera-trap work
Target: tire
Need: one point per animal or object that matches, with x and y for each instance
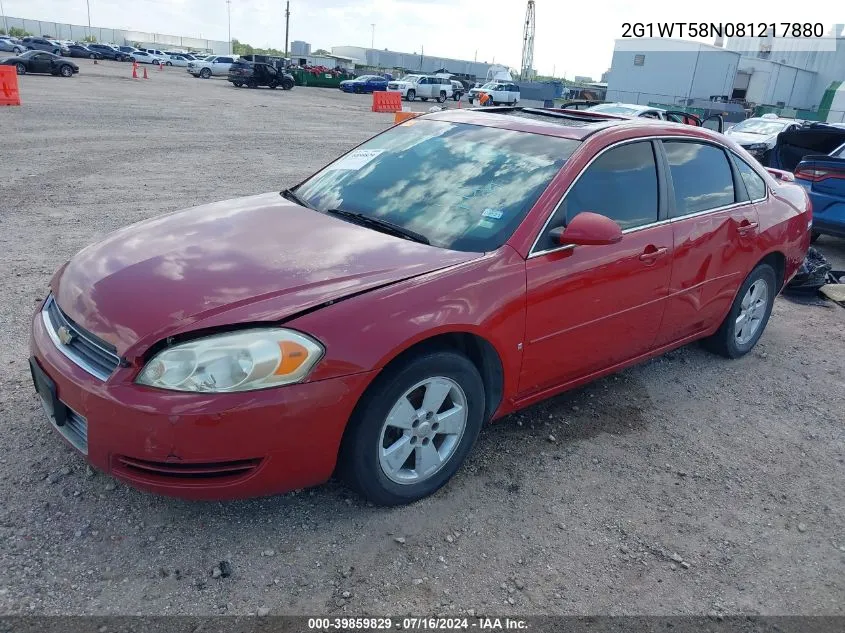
(272, 85)
(66, 71)
(168, 63)
(205, 73)
(20, 69)
(287, 84)
(411, 95)
(237, 84)
(732, 343)
(132, 59)
(363, 464)
(456, 97)
(441, 98)
(814, 236)
(424, 98)
(92, 56)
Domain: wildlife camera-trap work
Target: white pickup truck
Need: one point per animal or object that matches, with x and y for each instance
(211, 65)
(423, 86)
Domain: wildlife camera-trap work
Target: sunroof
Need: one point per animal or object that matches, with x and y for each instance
(549, 117)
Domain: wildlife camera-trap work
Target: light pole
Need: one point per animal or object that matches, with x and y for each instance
(373, 41)
(229, 11)
(88, 4)
(5, 23)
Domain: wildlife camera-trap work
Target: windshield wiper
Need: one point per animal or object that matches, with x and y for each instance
(381, 225)
(290, 194)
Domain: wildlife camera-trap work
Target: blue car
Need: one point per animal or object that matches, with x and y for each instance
(824, 179)
(364, 84)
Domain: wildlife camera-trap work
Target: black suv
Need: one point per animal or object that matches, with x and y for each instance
(107, 52)
(254, 74)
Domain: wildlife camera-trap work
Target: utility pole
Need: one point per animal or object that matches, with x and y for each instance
(88, 3)
(373, 41)
(287, 26)
(229, 11)
(5, 23)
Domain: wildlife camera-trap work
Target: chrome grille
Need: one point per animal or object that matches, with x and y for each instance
(95, 356)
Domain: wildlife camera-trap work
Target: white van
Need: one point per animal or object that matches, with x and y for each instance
(423, 86)
(501, 93)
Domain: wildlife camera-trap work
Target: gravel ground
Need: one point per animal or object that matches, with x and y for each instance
(688, 485)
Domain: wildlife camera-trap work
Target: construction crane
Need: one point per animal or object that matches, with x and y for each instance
(528, 44)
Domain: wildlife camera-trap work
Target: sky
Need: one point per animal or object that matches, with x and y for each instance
(572, 38)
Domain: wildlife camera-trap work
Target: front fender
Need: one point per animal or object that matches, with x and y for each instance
(484, 297)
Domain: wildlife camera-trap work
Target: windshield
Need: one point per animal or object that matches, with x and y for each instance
(490, 86)
(29, 54)
(613, 108)
(464, 187)
(411, 78)
(763, 127)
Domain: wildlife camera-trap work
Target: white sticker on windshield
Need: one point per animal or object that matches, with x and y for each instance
(355, 160)
(493, 214)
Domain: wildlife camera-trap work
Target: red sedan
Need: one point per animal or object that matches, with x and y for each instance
(371, 320)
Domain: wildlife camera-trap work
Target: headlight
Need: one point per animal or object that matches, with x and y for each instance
(236, 361)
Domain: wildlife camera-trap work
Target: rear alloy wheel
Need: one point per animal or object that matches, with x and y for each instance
(412, 94)
(20, 68)
(66, 71)
(168, 63)
(205, 73)
(92, 56)
(287, 84)
(441, 98)
(749, 314)
(413, 428)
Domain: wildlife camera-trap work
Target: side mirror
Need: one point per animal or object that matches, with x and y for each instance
(588, 229)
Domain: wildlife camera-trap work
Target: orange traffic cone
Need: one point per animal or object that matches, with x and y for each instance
(145, 73)
(95, 61)
(134, 72)
(160, 66)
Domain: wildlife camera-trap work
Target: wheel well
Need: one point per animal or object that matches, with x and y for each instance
(777, 261)
(480, 351)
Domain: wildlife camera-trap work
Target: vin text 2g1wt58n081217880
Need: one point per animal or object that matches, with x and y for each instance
(370, 320)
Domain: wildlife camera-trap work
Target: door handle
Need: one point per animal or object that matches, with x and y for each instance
(651, 253)
(746, 227)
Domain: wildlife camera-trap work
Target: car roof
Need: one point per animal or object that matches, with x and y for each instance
(634, 106)
(571, 124)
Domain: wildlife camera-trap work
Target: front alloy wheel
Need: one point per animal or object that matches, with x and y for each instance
(413, 428)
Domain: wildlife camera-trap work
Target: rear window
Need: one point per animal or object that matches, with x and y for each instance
(464, 187)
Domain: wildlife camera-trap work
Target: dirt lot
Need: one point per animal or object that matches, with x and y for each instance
(688, 485)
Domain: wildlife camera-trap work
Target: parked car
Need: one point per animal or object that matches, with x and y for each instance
(63, 46)
(823, 176)
(213, 65)
(178, 59)
(363, 84)
(458, 89)
(501, 93)
(255, 74)
(41, 44)
(330, 330)
(423, 86)
(143, 57)
(41, 62)
(475, 92)
(128, 50)
(629, 109)
(78, 50)
(109, 52)
(11, 45)
(758, 135)
(156, 53)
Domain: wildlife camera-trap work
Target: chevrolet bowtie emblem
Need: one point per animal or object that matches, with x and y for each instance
(65, 335)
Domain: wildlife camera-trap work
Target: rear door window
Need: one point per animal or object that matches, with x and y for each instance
(701, 176)
(754, 184)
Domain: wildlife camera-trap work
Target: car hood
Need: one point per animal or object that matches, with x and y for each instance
(746, 138)
(247, 260)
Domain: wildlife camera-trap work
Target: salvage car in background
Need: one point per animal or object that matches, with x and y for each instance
(370, 325)
(41, 44)
(423, 86)
(255, 74)
(364, 84)
(758, 135)
(11, 45)
(143, 57)
(78, 50)
(109, 52)
(41, 62)
(213, 65)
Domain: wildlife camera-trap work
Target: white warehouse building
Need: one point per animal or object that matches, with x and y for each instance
(677, 72)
